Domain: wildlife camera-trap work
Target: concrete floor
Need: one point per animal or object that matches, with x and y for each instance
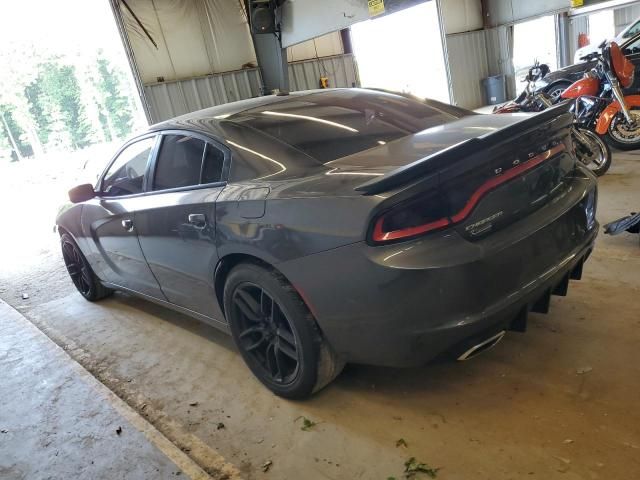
(58, 421)
(557, 402)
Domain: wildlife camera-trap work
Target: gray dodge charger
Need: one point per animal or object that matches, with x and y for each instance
(334, 226)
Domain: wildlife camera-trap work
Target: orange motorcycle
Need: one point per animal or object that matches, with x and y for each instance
(601, 106)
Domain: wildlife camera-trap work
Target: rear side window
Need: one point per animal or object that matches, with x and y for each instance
(179, 162)
(212, 166)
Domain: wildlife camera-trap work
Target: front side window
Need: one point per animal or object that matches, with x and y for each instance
(126, 174)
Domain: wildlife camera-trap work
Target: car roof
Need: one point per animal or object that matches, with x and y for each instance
(208, 117)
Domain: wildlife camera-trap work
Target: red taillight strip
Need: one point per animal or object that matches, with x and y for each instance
(381, 236)
(505, 177)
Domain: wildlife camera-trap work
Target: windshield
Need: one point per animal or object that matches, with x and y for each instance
(333, 124)
(632, 30)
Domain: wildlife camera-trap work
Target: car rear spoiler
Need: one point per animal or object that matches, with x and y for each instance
(447, 156)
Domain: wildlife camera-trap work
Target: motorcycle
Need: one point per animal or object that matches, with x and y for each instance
(591, 150)
(603, 107)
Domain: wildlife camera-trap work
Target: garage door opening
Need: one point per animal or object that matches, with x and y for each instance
(534, 40)
(67, 100)
(403, 52)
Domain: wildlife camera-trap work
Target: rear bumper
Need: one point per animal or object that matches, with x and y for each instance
(405, 304)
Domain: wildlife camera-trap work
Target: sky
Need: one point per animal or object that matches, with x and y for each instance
(61, 26)
(74, 30)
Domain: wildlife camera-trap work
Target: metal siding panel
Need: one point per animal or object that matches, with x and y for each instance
(169, 99)
(624, 16)
(340, 69)
(469, 65)
(501, 12)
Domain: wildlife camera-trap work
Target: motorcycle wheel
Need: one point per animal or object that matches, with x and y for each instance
(620, 136)
(592, 151)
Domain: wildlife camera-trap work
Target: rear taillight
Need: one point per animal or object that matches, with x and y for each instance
(410, 219)
(434, 211)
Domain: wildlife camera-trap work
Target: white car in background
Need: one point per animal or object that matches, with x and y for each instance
(632, 29)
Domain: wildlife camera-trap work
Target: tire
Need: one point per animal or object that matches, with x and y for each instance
(555, 90)
(81, 273)
(592, 151)
(276, 333)
(616, 132)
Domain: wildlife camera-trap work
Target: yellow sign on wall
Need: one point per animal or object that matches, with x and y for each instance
(577, 3)
(376, 7)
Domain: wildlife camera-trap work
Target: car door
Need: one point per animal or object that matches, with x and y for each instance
(176, 225)
(109, 217)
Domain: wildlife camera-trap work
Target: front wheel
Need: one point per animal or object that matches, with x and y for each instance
(556, 90)
(623, 136)
(81, 273)
(276, 333)
(592, 151)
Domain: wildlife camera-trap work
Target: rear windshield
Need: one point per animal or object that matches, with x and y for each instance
(331, 125)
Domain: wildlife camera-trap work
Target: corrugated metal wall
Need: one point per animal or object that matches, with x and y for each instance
(500, 55)
(577, 25)
(340, 69)
(469, 65)
(170, 99)
(624, 16)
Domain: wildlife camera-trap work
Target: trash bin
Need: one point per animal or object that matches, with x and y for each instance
(494, 88)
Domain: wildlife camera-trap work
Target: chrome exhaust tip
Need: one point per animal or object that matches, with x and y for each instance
(483, 346)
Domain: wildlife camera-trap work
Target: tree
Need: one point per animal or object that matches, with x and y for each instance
(116, 116)
(67, 93)
(12, 131)
(39, 108)
(55, 97)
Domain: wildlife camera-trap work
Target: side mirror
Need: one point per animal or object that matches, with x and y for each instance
(82, 193)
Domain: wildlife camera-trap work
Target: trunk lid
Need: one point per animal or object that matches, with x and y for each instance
(477, 174)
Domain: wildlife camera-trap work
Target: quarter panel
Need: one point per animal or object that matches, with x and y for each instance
(290, 227)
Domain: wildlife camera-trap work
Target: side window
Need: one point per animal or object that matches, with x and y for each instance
(126, 174)
(633, 47)
(213, 163)
(179, 162)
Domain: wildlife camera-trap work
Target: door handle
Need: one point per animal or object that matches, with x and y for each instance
(127, 224)
(198, 220)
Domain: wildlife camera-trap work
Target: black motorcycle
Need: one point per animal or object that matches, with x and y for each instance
(591, 149)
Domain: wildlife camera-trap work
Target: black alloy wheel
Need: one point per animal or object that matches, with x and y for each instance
(80, 271)
(276, 333)
(265, 333)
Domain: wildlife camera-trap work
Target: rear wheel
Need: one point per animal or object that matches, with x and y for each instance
(81, 273)
(623, 136)
(277, 336)
(592, 151)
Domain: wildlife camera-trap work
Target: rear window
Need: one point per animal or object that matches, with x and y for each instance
(332, 125)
